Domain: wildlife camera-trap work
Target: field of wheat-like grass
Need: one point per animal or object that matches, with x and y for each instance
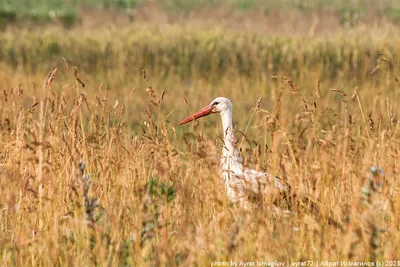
(94, 169)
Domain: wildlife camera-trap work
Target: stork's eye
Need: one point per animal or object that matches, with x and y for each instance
(215, 103)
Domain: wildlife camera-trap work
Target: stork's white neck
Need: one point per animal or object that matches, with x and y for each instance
(229, 138)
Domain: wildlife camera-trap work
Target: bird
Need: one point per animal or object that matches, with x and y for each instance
(241, 183)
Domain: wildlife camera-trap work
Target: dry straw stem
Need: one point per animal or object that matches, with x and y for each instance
(362, 113)
(289, 143)
(258, 103)
(355, 96)
(43, 115)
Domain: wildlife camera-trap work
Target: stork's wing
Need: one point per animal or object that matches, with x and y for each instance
(254, 181)
(260, 178)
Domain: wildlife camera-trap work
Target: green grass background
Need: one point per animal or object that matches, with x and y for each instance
(42, 11)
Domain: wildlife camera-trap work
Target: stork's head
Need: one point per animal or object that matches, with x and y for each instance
(218, 105)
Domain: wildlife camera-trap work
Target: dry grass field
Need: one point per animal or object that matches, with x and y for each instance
(95, 171)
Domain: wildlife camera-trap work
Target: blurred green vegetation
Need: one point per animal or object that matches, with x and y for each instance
(67, 12)
(187, 53)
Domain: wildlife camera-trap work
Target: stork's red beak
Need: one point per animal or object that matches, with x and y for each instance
(201, 113)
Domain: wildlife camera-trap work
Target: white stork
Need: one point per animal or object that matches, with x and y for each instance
(240, 181)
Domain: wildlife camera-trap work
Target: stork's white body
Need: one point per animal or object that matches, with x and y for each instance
(239, 181)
